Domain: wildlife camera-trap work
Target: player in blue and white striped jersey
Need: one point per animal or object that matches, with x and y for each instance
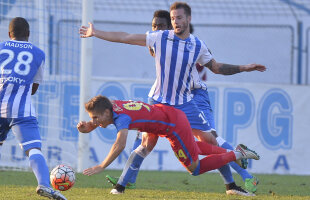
(21, 65)
(175, 59)
(176, 53)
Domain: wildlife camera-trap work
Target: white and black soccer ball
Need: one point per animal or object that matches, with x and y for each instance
(62, 177)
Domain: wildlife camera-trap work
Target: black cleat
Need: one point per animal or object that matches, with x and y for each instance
(233, 189)
(118, 189)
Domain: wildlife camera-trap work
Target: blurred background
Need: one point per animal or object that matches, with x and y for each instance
(268, 111)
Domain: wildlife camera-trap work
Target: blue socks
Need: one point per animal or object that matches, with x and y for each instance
(137, 143)
(226, 174)
(39, 167)
(131, 169)
(242, 172)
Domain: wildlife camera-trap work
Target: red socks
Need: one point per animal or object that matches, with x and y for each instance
(208, 149)
(216, 161)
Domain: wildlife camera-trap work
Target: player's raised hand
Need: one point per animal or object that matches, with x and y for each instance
(87, 31)
(253, 67)
(85, 127)
(93, 170)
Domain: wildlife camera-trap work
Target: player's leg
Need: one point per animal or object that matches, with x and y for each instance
(201, 98)
(134, 162)
(219, 156)
(5, 128)
(27, 133)
(187, 149)
(1, 141)
(199, 122)
(137, 140)
(225, 171)
(132, 183)
(249, 180)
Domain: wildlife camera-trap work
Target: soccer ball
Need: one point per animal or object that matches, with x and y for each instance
(62, 177)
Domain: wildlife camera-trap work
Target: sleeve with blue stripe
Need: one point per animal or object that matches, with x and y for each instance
(205, 55)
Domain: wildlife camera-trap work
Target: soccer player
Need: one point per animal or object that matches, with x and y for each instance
(20, 76)
(160, 121)
(201, 98)
(176, 53)
(161, 21)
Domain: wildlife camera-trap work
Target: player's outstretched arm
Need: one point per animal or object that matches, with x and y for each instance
(116, 149)
(121, 37)
(86, 127)
(228, 69)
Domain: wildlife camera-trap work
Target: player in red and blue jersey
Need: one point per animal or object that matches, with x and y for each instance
(159, 121)
(21, 65)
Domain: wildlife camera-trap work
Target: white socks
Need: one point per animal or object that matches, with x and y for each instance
(238, 155)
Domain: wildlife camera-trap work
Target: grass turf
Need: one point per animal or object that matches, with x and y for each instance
(158, 185)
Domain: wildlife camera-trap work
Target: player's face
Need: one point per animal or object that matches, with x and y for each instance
(101, 119)
(180, 21)
(159, 23)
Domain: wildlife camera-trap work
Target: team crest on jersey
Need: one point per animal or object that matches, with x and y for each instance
(189, 46)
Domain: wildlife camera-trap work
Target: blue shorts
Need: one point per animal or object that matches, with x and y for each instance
(195, 116)
(25, 129)
(201, 98)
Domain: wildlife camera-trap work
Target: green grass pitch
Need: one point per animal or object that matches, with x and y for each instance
(158, 185)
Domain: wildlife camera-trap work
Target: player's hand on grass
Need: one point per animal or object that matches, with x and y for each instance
(253, 67)
(87, 31)
(93, 170)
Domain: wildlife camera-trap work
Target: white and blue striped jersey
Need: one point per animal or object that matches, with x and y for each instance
(175, 59)
(21, 65)
(196, 82)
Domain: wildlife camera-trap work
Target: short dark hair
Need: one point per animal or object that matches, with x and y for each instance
(98, 104)
(191, 28)
(185, 6)
(163, 14)
(19, 28)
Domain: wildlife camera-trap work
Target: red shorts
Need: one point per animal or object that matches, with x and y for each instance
(182, 139)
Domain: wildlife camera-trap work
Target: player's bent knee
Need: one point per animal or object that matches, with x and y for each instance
(142, 151)
(214, 133)
(33, 151)
(210, 138)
